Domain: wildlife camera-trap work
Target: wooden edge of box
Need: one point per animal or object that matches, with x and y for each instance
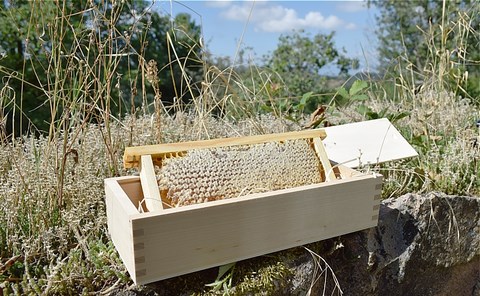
(252, 196)
(119, 210)
(348, 174)
(121, 197)
(151, 192)
(132, 155)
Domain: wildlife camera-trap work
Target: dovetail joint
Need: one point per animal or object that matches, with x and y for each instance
(139, 246)
(138, 232)
(140, 260)
(141, 272)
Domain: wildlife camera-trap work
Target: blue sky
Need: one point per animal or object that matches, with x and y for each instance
(258, 24)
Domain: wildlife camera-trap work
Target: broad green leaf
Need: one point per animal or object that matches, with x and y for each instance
(361, 97)
(282, 104)
(357, 86)
(305, 98)
(343, 92)
(362, 109)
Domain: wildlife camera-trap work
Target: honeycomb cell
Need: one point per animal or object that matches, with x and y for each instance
(227, 172)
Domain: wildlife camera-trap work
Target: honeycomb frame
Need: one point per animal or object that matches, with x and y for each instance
(202, 162)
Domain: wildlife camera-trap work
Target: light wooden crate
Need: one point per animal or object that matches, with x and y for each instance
(174, 241)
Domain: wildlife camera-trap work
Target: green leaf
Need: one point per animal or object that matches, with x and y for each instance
(343, 92)
(396, 117)
(303, 101)
(226, 282)
(282, 104)
(362, 109)
(360, 97)
(357, 86)
(224, 269)
(373, 115)
(306, 97)
(266, 108)
(216, 284)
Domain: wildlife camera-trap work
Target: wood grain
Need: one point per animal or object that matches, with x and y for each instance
(195, 237)
(322, 155)
(148, 179)
(119, 210)
(133, 155)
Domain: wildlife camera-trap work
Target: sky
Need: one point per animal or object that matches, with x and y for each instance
(259, 24)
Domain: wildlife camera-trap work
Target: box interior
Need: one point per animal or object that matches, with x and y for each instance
(133, 188)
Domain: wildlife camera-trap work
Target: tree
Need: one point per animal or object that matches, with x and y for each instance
(299, 59)
(56, 54)
(177, 57)
(422, 30)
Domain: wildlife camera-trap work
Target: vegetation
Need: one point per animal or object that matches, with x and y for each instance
(81, 80)
(422, 35)
(93, 53)
(434, 89)
(299, 59)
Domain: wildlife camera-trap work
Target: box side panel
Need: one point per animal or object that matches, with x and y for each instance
(119, 209)
(173, 244)
(132, 188)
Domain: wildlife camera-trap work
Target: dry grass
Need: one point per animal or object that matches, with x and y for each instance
(62, 251)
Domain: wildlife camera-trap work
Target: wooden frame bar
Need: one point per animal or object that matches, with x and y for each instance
(322, 155)
(132, 155)
(151, 193)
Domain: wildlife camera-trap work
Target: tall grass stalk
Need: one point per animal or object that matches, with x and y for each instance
(52, 223)
(441, 121)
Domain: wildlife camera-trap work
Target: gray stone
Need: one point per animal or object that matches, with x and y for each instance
(426, 245)
(423, 245)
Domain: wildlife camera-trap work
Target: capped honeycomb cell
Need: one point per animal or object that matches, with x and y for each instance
(226, 172)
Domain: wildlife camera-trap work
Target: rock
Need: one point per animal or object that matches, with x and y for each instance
(426, 245)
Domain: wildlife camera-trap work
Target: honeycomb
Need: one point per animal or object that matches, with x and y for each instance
(218, 173)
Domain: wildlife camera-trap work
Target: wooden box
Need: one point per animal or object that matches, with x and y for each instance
(176, 241)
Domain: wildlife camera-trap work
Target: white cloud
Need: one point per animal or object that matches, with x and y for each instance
(236, 12)
(218, 4)
(276, 18)
(351, 26)
(352, 6)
